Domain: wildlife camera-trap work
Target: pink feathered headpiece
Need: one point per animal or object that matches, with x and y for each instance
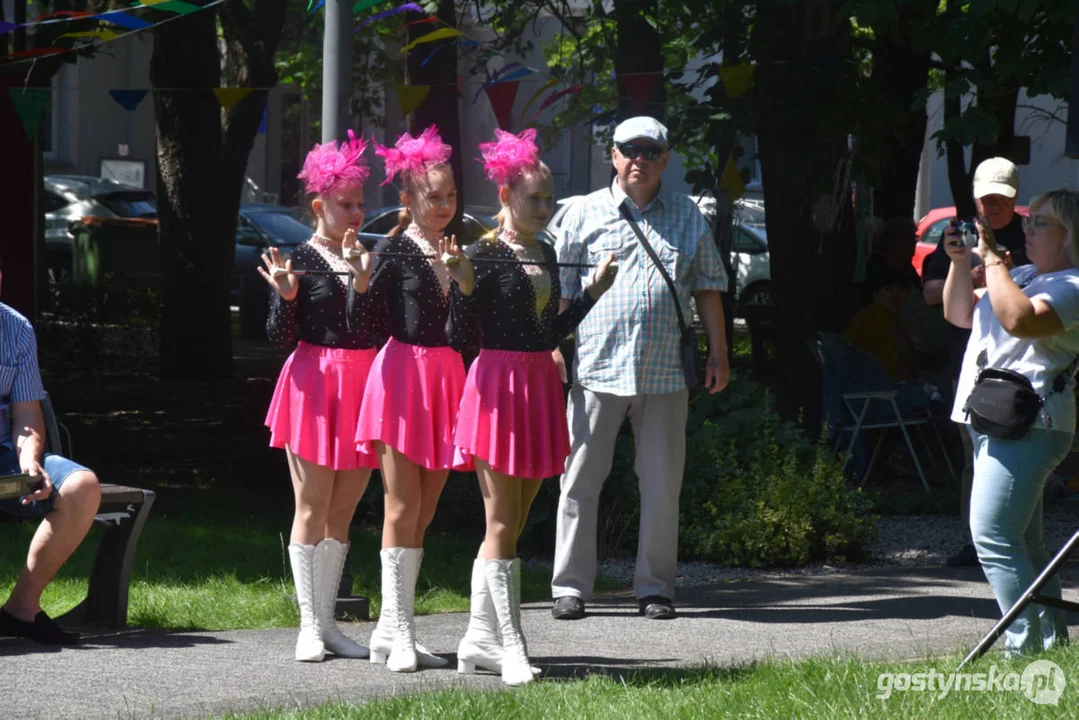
(510, 155)
(327, 165)
(414, 154)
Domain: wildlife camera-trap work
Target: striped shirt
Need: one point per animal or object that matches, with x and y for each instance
(20, 377)
(628, 344)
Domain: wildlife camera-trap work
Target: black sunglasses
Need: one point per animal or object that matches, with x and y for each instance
(632, 152)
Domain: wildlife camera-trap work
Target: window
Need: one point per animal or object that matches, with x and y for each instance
(748, 159)
(52, 201)
(744, 241)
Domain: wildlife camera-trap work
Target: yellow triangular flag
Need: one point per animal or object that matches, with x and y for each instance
(732, 180)
(411, 96)
(737, 79)
(229, 96)
(103, 34)
(440, 34)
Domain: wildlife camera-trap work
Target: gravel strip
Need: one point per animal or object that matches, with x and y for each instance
(909, 541)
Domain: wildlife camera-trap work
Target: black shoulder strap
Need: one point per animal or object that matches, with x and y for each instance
(656, 261)
(1060, 382)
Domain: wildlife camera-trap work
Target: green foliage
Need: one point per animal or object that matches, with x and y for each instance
(759, 492)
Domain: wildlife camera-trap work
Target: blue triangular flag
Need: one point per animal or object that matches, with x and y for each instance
(262, 123)
(128, 99)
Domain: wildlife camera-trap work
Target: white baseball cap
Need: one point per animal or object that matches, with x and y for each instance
(996, 176)
(642, 126)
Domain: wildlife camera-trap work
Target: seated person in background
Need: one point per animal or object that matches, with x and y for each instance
(67, 498)
(892, 254)
(880, 328)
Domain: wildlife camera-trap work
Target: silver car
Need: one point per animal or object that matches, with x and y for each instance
(72, 197)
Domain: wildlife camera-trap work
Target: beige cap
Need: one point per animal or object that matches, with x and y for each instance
(996, 176)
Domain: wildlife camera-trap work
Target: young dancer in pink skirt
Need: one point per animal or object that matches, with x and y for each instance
(512, 421)
(414, 388)
(317, 400)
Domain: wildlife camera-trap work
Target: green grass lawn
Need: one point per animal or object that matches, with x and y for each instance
(820, 688)
(199, 567)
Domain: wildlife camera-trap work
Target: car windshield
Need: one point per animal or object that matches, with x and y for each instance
(130, 204)
(281, 226)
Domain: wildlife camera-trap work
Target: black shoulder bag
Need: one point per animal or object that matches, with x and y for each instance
(688, 340)
(1003, 403)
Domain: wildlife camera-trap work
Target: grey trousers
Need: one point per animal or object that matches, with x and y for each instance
(659, 432)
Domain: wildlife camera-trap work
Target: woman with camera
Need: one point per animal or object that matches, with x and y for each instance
(1016, 396)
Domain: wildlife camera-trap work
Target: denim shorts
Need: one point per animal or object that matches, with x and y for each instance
(59, 468)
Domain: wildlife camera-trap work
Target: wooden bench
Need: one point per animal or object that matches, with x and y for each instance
(121, 516)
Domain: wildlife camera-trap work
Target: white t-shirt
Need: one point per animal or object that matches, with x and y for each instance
(1039, 360)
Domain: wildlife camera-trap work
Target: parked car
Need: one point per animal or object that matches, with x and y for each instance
(477, 222)
(931, 227)
(72, 197)
(259, 227)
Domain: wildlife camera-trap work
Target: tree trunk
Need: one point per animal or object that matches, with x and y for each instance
(900, 72)
(803, 90)
(202, 155)
(638, 61)
(196, 244)
(440, 106)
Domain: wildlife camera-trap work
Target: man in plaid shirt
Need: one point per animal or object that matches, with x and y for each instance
(628, 363)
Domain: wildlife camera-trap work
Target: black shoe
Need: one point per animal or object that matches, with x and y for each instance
(568, 608)
(966, 557)
(42, 629)
(655, 607)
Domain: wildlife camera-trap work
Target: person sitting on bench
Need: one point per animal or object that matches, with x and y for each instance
(66, 497)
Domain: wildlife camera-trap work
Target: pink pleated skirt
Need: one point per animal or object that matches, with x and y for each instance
(513, 414)
(316, 404)
(410, 403)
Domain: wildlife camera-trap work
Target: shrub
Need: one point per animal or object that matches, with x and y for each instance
(758, 491)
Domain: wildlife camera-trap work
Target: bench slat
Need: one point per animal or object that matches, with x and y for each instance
(120, 495)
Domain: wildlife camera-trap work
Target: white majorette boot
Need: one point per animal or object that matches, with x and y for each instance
(382, 637)
(394, 639)
(333, 554)
(504, 583)
(480, 647)
(306, 570)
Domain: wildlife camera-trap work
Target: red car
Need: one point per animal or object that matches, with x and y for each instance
(931, 227)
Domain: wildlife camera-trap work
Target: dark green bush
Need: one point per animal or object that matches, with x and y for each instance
(759, 492)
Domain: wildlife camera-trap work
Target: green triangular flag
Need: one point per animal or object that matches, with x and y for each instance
(30, 103)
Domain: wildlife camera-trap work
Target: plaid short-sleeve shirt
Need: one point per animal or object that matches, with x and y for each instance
(628, 344)
(20, 378)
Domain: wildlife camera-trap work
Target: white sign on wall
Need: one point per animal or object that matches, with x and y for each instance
(128, 172)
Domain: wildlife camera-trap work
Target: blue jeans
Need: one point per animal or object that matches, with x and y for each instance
(1006, 524)
(58, 467)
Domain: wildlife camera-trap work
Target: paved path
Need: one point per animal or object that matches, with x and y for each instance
(900, 613)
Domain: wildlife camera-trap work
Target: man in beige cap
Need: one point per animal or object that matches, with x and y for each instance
(996, 185)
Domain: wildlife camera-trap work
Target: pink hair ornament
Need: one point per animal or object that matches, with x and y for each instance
(509, 156)
(328, 166)
(414, 154)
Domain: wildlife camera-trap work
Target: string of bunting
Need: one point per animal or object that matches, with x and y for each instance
(501, 88)
(100, 37)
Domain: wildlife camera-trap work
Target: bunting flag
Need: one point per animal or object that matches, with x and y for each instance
(128, 99)
(30, 104)
(433, 53)
(366, 5)
(502, 96)
(638, 88)
(102, 34)
(732, 179)
(560, 94)
(737, 79)
(229, 96)
(315, 9)
(428, 19)
(177, 6)
(411, 96)
(122, 19)
(440, 34)
(386, 13)
(263, 122)
(546, 86)
(6, 27)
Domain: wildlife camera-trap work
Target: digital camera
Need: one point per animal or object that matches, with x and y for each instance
(967, 233)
